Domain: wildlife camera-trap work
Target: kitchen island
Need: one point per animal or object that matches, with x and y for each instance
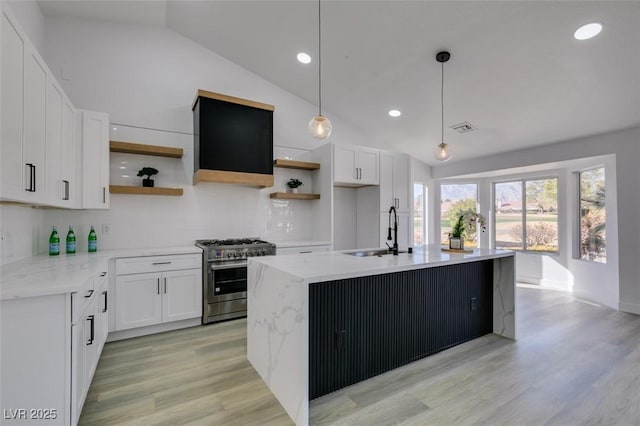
(319, 322)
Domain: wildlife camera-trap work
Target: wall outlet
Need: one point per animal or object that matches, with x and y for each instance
(105, 228)
(474, 304)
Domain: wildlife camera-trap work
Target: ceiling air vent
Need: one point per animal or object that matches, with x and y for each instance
(463, 128)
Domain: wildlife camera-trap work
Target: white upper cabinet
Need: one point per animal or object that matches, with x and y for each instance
(70, 159)
(34, 142)
(355, 165)
(55, 102)
(37, 150)
(394, 182)
(12, 166)
(95, 159)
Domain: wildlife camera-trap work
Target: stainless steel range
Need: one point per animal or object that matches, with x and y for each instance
(225, 275)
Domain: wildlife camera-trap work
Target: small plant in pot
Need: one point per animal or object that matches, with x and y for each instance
(293, 185)
(148, 172)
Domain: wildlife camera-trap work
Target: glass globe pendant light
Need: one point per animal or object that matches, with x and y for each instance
(442, 151)
(320, 127)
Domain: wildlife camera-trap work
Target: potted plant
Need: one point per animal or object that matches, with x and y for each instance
(148, 172)
(467, 220)
(293, 184)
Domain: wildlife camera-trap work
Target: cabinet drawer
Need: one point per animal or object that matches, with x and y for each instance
(137, 265)
(81, 299)
(302, 249)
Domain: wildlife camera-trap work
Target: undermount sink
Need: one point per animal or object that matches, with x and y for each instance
(376, 252)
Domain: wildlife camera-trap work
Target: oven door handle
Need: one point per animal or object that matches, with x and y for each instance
(228, 266)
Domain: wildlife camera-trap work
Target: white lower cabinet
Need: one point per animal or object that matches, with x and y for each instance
(88, 335)
(50, 348)
(150, 298)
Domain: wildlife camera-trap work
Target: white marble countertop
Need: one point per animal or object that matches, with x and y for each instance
(47, 275)
(327, 266)
(301, 243)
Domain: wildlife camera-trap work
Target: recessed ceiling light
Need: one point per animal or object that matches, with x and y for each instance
(304, 58)
(588, 31)
(395, 113)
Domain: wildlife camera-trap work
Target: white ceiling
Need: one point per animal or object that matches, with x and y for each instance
(516, 72)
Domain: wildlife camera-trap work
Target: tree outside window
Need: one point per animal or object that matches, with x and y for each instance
(593, 216)
(529, 222)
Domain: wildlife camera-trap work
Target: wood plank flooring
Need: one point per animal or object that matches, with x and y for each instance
(575, 363)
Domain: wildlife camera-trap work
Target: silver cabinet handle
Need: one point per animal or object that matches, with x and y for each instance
(158, 285)
(89, 295)
(161, 263)
(104, 195)
(165, 285)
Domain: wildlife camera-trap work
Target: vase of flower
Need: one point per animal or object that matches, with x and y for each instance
(467, 220)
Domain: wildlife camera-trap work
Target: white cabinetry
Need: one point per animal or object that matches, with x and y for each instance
(95, 159)
(50, 348)
(158, 289)
(394, 182)
(355, 165)
(88, 335)
(37, 149)
(302, 248)
(12, 166)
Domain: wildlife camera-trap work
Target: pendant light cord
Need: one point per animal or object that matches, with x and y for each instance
(442, 104)
(319, 61)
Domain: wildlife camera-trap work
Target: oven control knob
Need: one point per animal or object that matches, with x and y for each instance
(251, 253)
(262, 252)
(229, 254)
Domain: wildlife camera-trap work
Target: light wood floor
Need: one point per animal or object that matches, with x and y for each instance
(575, 363)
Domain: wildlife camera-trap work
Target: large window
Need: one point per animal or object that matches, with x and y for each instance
(455, 200)
(419, 214)
(526, 215)
(593, 215)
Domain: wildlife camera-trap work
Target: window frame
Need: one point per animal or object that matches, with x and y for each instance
(578, 227)
(439, 203)
(523, 181)
(425, 227)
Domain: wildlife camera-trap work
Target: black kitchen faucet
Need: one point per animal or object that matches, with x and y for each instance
(394, 249)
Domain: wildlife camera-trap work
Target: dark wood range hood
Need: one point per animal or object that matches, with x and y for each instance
(233, 140)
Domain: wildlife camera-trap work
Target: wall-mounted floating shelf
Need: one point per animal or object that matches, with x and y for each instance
(142, 190)
(142, 149)
(292, 164)
(292, 196)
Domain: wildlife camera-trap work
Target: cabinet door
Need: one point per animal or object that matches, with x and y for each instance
(70, 152)
(181, 295)
(35, 100)
(138, 300)
(95, 160)
(401, 187)
(345, 160)
(54, 107)
(387, 197)
(404, 230)
(368, 159)
(12, 166)
(78, 366)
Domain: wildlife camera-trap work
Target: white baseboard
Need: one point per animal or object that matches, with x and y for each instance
(545, 282)
(152, 329)
(632, 308)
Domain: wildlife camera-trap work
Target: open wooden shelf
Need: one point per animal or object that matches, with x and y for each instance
(142, 190)
(138, 148)
(291, 164)
(292, 196)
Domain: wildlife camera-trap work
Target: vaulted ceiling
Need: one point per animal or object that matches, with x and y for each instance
(516, 72)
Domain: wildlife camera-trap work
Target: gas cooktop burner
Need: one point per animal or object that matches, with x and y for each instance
(231, 242)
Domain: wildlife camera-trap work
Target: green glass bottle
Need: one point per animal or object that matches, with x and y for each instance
(93, 241)
(54, 243)
(71, 241)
